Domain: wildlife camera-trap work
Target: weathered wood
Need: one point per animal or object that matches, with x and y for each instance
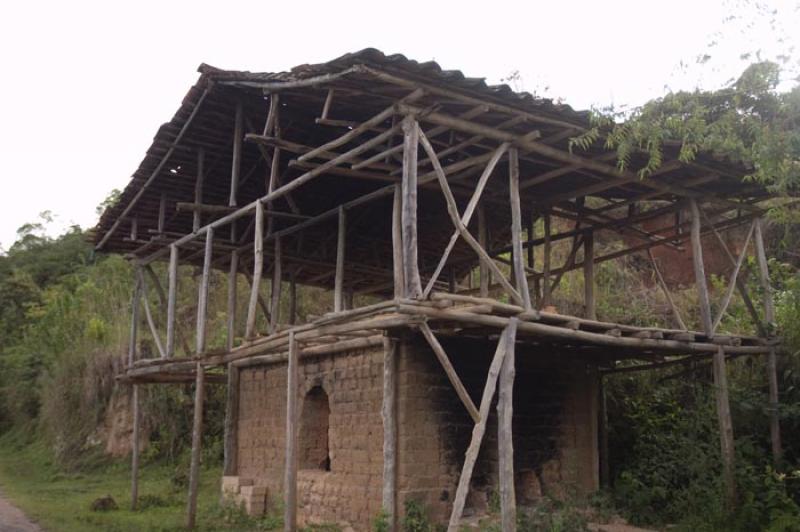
(508, 337)
(232, 292)
(135, 448)
(231, 427)
(588, 276)
(772, 362)
(197, 436)
(483, 240)
(605, 467)
(236, 160)
(733, 278)
(149, 316)
(546, 263)
(725, 426)
(398, 266)
(198, 188)
(134, 235)
(389, 417)
(338, 294)
(505, 437)
(450, 371)
(699, 271)
(172, 294)
(202, 298)
(162, 212)
(258, 267)
(137, 295)
(516, 230)
(664, 288)
(277, 285)
(290, 477)
(413, 283)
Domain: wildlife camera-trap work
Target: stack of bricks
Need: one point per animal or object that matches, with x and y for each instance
(243, 493)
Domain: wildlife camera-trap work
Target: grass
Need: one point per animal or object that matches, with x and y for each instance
(60, 501)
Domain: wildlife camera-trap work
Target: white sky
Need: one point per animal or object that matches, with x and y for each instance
(85, 85)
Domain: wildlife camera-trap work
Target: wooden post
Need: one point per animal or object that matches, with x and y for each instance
(290, 478)
(588, 275)
(699, 271)
(772, 362)
(531, 235)
(236, 162)
(508, 337)
(231, 324)
(258, 266)
(413, 283)
(202, 299)
(521, 280)
(338, 295)
(197, 435)
(725, 426)
(172, 295)
(483, 240)
(505, 437)
(389, 415)
(277, 285)
(198, 188)
(135, 448)
(134, 228)
(135, 301)
(605, 466)
(162, 212)
(231, 444)
(397, 244)
(546, 263)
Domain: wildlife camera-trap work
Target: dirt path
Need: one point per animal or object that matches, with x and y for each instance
(13, 520)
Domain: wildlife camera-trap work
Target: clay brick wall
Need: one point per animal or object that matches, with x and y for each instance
(350, 492)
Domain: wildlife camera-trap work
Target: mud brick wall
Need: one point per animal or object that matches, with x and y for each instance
(554, 424)
(350, 491)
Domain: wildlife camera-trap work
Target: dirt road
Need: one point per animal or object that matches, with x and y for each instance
(13, 520)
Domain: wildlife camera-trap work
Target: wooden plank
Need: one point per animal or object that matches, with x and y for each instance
(398, 266)
(505, 438)
(277, 286)
(588, 276)
(236, 160)
(230, 465)
(508, 337)
(772, 362)
(290, 477)
(135, 448)
(516, 229)
(258, 267)
(197, 436)
(202, 298)
(413, 283)
(232, 292)
(699, 271)
(198, 188)
(725, 426)
(172, 294)
(389, 417)
(338, 294)
(450, 371)
(664, 288)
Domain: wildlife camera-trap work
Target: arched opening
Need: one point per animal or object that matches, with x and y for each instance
(314, 425)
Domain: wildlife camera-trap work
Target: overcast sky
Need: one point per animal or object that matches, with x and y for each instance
(85, 85)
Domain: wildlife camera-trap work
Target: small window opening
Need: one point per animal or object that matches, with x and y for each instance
(314, 427)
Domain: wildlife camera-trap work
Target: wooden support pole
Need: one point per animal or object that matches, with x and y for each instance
(546, 263)
(725, 426)
(198, 188)
(732, 282)
(236, 160)
(505, 438)
(134, 333)
(149, 316)
(508, 337)
(389, 416)
(338, 293)
(483, 240)
(413, 283)
(135, 448)
(277, 285)
(231, 437)
(588, 276)
(134, 228)
(521, 279)
(202, 298)
(397, 244)
(290, 477)
(172, 295)
(197, 436)
(162, 212)
(232, 292)
(530, 236)
(258, 266)
(772, 362)
(699, 270)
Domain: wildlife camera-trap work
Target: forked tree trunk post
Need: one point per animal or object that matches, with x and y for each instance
(413, 283)
(258, 266)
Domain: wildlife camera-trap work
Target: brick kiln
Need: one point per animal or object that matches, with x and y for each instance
(421, 202)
